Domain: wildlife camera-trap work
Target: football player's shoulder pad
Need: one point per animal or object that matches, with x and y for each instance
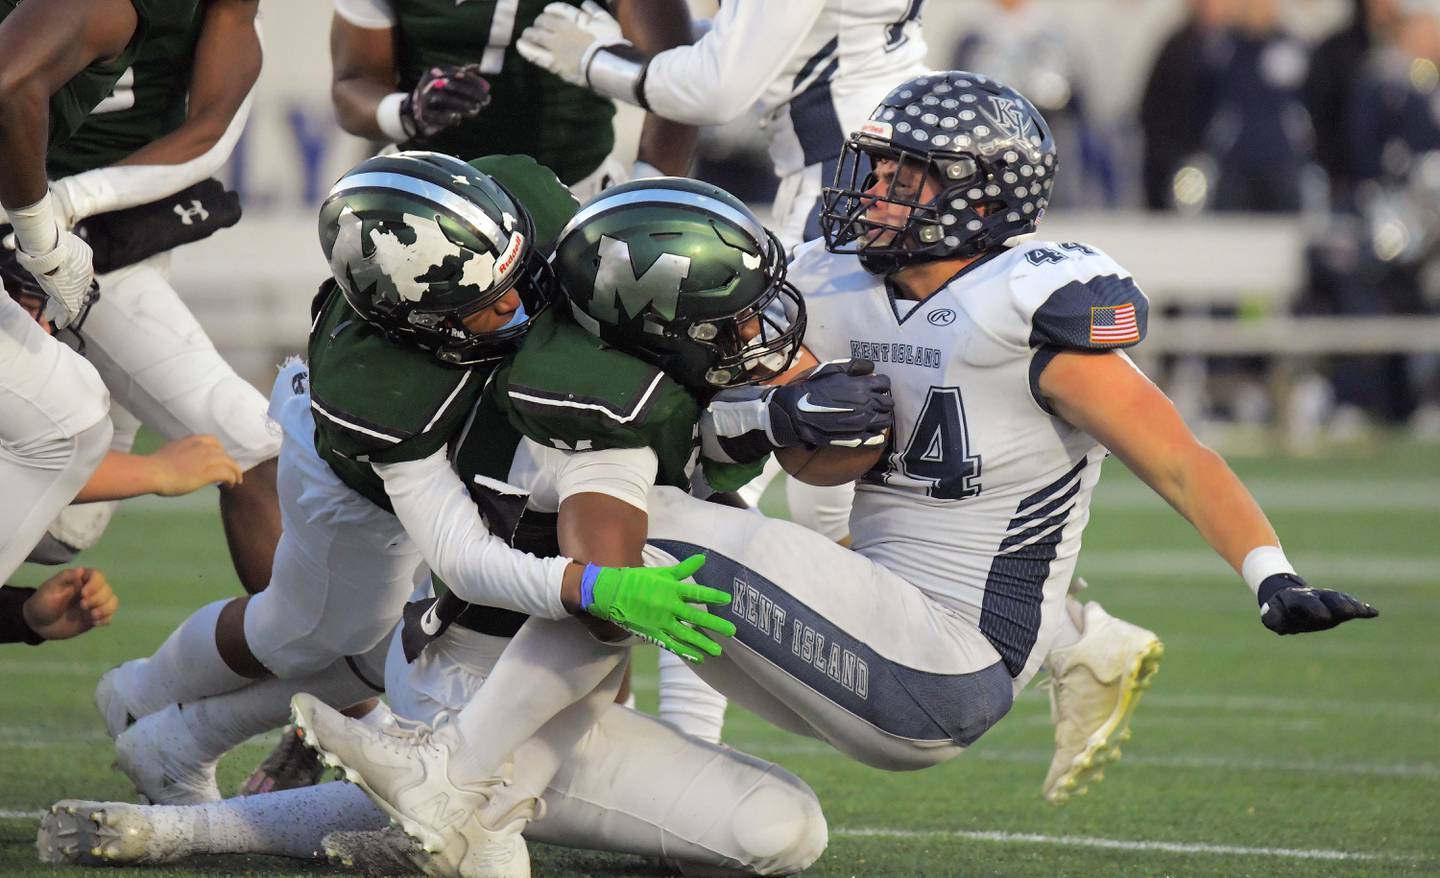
(1068, 295)
(567, 389)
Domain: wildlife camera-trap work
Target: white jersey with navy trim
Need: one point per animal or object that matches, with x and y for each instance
(983, 495)
(816, 69)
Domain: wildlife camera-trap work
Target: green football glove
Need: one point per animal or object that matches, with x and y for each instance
(654, 602)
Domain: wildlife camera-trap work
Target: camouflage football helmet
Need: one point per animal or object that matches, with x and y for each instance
(418, 241)
(990, 148)
(681, 274)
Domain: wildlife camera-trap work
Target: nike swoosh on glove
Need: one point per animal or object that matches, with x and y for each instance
(1289, 606)
(841, 402)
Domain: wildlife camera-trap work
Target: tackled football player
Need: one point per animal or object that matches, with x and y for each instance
(1008, 388)
(560, 453)
(439, 271)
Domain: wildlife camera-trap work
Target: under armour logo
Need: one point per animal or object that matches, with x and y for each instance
(188, 215)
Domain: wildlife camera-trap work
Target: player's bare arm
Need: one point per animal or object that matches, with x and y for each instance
(1107, 397)
(654, 26)
(227, 65)
(178, 467)
(44, 46)
(365, 72)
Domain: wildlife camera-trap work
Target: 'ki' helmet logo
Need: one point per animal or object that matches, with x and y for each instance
(1009, 119)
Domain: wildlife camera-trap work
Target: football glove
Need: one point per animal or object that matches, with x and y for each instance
(566, 40)
(1289, 606)
(66, 274)
(841, 402)
(443, 98)
(652, 603)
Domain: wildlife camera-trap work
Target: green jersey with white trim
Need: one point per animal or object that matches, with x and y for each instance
(147, 103)
(75, 100)
(531, 110)
(376, 401)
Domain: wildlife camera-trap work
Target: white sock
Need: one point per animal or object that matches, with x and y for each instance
(187, 666)
(378, 717)
(289, 823)
(548, 666)
(223, 722)
(1071, 627)
(689, 703)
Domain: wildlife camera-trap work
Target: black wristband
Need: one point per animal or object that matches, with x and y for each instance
(746, 448)
(13, 627)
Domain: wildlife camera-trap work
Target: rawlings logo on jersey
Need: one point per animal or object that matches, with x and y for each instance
(621, 294)
(399, 261)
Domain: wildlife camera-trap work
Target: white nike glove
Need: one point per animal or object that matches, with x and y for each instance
(565, 39)
(66, 274)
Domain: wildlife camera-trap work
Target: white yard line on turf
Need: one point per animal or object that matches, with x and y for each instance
(8, 814)
(1296, 494)
(1119, 844)
(1421, 771)
(1348, 567)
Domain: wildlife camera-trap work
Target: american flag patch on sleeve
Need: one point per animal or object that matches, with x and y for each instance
(1113, 324)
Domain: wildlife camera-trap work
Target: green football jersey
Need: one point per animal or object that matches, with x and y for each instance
(531, 110)
(147, 103)
(567, 389)
(70, 106)
(376, 401)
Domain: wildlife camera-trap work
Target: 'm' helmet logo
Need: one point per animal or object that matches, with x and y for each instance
(619, 289)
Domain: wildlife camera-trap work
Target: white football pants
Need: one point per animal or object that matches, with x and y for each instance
(344, 567)
(831, 644)
(633, 784)
(53, 430)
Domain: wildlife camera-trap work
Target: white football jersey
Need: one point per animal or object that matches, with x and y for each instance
(815, 68)
(983, 494)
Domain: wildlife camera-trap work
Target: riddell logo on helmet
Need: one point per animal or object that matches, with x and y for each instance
(882, 130)
(507, 259)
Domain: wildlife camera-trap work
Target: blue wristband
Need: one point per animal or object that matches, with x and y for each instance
(587, 585)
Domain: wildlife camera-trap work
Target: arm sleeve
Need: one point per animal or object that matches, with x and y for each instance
(721, 76)
(367, 14)
(13, 628)
(627, 474)
(438, 514)
(117, 187)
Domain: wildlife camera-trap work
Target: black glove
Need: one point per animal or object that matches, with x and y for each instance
(841, 402)
(1289, 606)
(443, 98)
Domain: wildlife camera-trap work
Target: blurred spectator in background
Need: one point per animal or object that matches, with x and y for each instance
(1225, 125)
(1335, 67)
(1179, 98)
(1380, 252)
(1027, 47)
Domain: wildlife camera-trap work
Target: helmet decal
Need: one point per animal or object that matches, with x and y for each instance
(418, 242)
(621, 294)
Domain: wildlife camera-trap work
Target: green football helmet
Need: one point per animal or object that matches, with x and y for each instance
(682, 275)
(418, 241)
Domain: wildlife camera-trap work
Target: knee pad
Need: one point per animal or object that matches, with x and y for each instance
(779, 827)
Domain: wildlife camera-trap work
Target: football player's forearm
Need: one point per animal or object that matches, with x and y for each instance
(24, 120)
(654, 27)
(356, 102)
(1221, 508)
(437, 513)
(227, 67)
(129, 183)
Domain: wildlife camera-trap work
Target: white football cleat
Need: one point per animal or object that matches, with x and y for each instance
(405, 770)
(110, 833)
(108, 700)
(162, 759)
(1094, 685)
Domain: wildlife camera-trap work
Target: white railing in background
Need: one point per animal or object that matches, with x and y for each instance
(251, 286)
